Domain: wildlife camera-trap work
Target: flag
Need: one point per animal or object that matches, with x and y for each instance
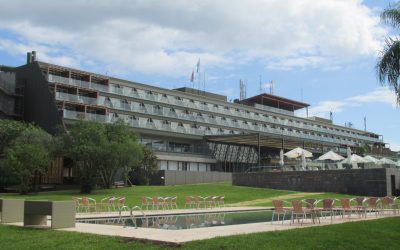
(192, 76)
(198, 66)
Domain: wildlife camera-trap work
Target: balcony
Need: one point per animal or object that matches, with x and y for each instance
(76, 98)
(131, 92)
(70, 114)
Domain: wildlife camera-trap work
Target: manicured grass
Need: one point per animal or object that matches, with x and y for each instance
(376, 234)
(233, 194)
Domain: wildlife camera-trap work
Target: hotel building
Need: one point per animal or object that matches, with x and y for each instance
(190, 130)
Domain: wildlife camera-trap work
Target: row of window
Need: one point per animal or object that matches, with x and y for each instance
(124, 103)
(206, 118)
(194, 128)
(227, 109)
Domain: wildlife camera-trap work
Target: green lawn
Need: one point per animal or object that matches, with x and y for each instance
(245, 196)
(377, 234)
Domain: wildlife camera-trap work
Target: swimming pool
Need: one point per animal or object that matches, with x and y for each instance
(186, 221)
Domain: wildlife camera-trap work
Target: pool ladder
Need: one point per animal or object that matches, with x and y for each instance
(126, 208)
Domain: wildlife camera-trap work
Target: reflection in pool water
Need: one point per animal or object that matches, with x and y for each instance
(186, 221)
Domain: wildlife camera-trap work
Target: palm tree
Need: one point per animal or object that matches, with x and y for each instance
(388, 66)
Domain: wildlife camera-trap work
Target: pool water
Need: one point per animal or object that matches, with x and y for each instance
(187, 221)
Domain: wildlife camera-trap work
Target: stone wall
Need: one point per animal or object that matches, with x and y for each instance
(169, 177)
(368, 182)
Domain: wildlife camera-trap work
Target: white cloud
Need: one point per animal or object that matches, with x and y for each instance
(379, 95)
(167, 37)
(394, 147)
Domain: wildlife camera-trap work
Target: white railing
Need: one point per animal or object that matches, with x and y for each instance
(173, 101)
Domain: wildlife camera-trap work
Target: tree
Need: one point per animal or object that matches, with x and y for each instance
(9, 130)
(101, 151)
(85, 144)
(29, 154)
(146, 167)
(121, 152)
(388, 66)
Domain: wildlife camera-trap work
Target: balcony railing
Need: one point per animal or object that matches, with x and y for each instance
(76, 98)
(173, 101)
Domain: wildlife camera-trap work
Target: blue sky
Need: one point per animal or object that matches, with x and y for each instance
(319, 52)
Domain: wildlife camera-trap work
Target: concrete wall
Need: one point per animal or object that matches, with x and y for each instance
(39, 105)
(187, 177)
(369, 182)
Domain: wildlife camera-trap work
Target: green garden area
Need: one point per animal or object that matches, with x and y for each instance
(376, 234)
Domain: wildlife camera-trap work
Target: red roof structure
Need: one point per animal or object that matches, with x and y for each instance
(275, 102)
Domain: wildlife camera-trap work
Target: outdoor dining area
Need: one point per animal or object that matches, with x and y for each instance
(192, 202)
(115, 204)
(107, 204)
(331, 160)
(314, 210)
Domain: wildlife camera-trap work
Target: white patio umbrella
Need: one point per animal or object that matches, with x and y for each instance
(386, 161)
(348, 152)
(297, 152)
(353, 159)
(281, 161)
(330, 156)
(398, 163)
(369, 158)
(303, 161)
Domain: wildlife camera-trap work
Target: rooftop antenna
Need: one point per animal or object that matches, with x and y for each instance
(331, 116)
(242, 90)
(271, 87)
(260, 85)
(365, 123)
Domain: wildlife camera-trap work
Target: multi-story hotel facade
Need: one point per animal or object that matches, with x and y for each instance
(190, 130)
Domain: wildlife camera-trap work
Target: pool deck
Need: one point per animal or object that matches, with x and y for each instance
(186, 235)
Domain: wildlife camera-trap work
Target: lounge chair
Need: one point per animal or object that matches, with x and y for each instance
(174, 202)
(298, 210)
(328, 208)
(388, 204)
(346, 207)
(221, 201)
(188, 201)
(89, 204)
(360, 207)
(279, 210)
(155, 203)
(373, 206)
